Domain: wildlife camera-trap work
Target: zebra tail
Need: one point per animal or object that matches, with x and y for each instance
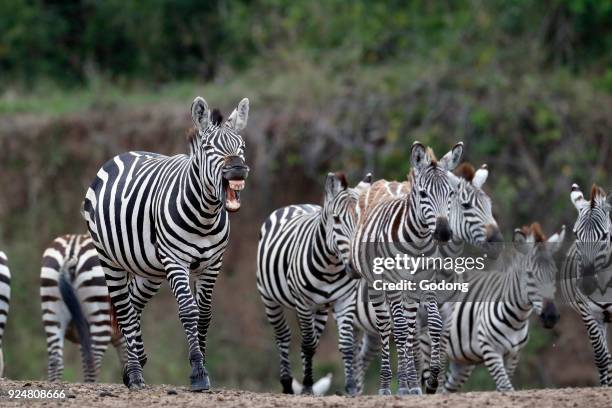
(78, 318)
(113, 316)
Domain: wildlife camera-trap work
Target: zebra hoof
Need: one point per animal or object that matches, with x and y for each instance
(409, 391)
(384, 391)
(286, 383)
(133, 380)
(431, 386)
(307, 390)
(351, 390)
(199, 380)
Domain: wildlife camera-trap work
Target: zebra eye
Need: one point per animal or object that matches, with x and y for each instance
(423, 194)
(467, 205)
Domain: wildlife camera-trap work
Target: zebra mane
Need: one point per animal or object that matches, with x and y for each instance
(535, 230)
(466, 171)
(596, 192)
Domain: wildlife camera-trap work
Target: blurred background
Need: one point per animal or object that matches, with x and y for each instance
(334, 85)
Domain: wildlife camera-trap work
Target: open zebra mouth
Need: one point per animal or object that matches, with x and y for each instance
(232, 194)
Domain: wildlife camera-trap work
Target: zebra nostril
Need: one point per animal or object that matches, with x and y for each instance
(443, 232)
(493, 233)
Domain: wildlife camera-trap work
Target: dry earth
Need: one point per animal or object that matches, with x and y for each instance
(113, 395)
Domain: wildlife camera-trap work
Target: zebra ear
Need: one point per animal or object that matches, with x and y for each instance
(519, 239)
(364, 184)
(577, 197)
(200, 114)
(419, 158)
(334, 183)
(239, 117)
(480, 177)
(555, 241)
(452, 158)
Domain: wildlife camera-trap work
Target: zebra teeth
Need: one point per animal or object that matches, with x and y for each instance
(236, 184)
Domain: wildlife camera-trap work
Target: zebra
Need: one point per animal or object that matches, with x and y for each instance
(472, 221)
(76, 305)
(5, 297)
(585, 274)
(490, 324)
(411, 225)
(303, 265)
(154, 217)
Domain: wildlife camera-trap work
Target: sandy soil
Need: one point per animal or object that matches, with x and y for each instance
(113, 395)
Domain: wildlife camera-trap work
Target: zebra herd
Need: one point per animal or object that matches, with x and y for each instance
(153, 218)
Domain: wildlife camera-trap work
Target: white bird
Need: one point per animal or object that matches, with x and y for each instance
(319, 388)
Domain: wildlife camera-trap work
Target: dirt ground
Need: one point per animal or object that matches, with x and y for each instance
(113, 395)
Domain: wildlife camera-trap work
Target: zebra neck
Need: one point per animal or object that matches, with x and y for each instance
(515, 289)
(320, 244)
(199, 193)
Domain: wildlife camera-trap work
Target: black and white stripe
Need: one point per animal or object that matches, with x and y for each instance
(303, 265)
(76, 305)
(5, 297)
(154, 217)
(408, 225)
(585, 275)
(490, 325)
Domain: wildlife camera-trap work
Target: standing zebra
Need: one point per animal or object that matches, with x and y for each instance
(154, 217)
(586, 272)
(303, 264)
(490, 324)
(5, 297)
(411, 225)
(472, 222)
(76, 305)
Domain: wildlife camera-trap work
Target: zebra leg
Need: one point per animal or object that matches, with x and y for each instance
(55, 317)
(204, 286)
(410, 377)
(434, 328)
(55, 350)
(119, 344)
(282, 335)
(344, 313)
(127, 318)
(495, 364)
(511, 361)
(457, 376)
(141, 291)
(383, 325)
(597, 337)
(370, 347)
(310, 341)
(178, 278)
(423, 362)
(321, 316)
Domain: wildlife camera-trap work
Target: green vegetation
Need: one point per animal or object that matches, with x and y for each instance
(527, 85)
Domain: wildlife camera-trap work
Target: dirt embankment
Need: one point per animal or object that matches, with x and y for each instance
(112, 395)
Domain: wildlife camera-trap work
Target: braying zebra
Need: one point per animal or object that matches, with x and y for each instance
(490, 324)
(76, 305)
(154, 217)
(303, 265)
(411, 225)
(5, 297)
(586, 275)
(472, 222)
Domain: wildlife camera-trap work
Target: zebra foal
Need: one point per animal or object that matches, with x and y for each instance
(303, 265)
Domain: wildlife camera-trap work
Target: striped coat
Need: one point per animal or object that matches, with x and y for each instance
(76, 305)
(156, 218)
